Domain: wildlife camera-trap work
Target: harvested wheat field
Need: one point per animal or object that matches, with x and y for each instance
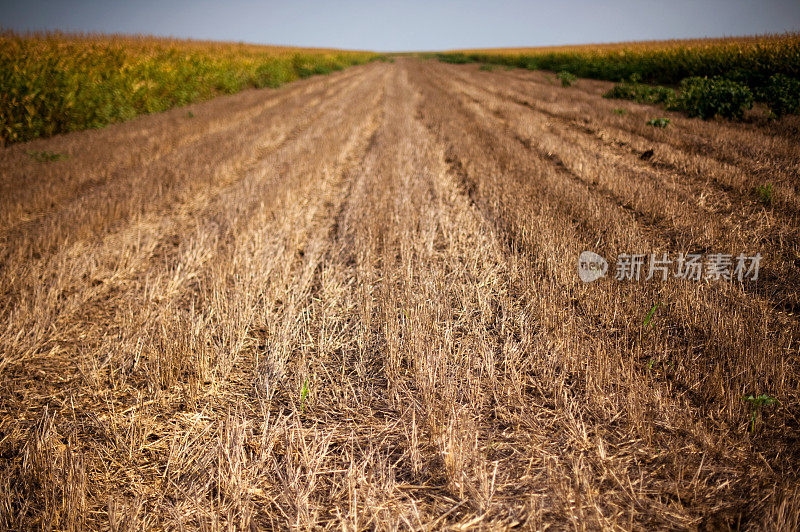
(353, 302)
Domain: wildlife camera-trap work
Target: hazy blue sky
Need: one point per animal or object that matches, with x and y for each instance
(410, 24)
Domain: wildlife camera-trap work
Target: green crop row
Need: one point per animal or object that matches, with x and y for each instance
(717, 96)
(51, 84)
(750, 61)
(769, 68)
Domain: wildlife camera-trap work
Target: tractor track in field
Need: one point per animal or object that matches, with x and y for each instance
(352, 302)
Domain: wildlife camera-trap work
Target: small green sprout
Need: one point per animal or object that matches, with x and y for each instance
(756, 404)
(620, 111)
(765, 194)
(650, 313)
(303, 395)
(658, 122)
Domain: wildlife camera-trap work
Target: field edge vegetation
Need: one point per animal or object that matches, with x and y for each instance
(53, 83)
(713, 76)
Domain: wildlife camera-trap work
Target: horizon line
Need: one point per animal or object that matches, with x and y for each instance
(44, 33)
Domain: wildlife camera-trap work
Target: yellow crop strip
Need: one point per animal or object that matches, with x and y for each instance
(54, 83)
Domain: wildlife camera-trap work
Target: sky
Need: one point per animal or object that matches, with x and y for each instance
(409, 25)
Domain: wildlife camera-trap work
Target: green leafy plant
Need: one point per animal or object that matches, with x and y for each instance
(709, 97)
(781, 94)
(274, 74)
(640, 92)
(46, 156)
(765, 194)
(757, 403)
(658, 122)
(567, 78)
(455, 58)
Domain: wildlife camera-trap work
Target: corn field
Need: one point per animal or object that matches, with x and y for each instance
(55, 83)
(751, 60)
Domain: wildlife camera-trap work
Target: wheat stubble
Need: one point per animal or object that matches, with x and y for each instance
(352, 303)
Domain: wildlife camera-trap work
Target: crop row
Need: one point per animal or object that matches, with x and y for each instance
(767, 66)
(53, 83)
